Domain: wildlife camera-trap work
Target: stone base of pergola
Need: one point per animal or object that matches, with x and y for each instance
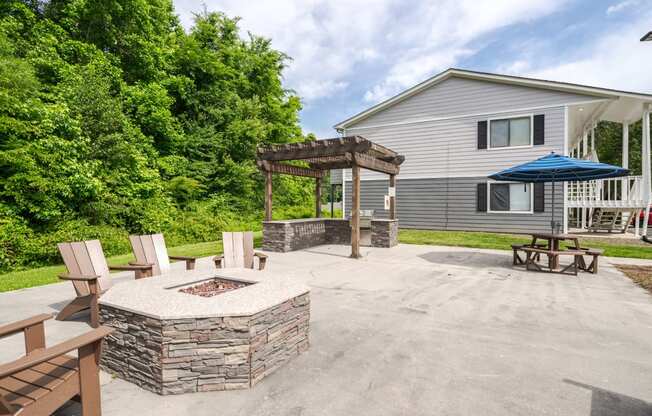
(291, 235)
(316, 158)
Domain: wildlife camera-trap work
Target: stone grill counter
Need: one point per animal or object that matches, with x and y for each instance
(290, 235)
(170, 342)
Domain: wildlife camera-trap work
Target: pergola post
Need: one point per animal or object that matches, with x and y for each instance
(355, 212)
(392, 197)
(318, 197)
(268, 195)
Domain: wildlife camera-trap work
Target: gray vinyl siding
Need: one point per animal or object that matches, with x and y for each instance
(459, 96)
(336, 176)
(448, 148)
(450, 204)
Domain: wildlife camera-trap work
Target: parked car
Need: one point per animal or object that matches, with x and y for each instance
(649, 218)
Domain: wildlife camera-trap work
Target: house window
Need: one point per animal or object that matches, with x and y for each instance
(510, 132)
(510, 197)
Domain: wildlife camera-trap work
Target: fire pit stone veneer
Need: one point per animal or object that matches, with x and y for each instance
(171, 342)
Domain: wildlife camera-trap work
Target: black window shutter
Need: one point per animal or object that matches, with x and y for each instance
(539, 197)
(481, 198)
(539, 129)
(482, 134)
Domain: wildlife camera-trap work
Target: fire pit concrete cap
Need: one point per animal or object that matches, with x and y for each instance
(159, 297)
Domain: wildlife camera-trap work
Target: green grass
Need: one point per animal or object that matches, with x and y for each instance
(503, 241)
(46, 275)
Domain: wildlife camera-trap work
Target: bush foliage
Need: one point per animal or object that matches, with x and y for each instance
(114, 120)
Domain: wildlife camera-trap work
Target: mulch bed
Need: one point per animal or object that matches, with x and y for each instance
(213, 287)
(641, 275)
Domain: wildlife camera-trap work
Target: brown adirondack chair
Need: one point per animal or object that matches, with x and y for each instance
(46, 378)
(151, 249)
(239, 251)
(90, 276)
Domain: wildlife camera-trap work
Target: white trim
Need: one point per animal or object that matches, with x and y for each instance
(343, 187)
(489, 211)
(470, 115)
(504, 79)
(489, 120)
(565, 186)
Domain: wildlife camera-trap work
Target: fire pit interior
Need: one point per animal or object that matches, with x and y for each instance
(213, 287)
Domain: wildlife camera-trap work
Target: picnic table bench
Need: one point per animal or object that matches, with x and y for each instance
(552, 249)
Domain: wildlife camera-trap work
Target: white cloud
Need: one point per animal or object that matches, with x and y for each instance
(615, 60)
(615, 8)
(325, 38)
(439, 34)
(403, 41)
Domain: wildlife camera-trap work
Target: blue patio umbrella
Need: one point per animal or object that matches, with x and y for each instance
(558, 168)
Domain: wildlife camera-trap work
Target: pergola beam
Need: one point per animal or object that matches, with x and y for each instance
(377, 165)
(286, 169)
(324, 148)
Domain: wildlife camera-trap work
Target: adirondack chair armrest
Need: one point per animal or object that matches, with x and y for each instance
(262, 260)
(19, 326)
(132, 266)
(218, 260)
(46, 354)
(182, 258)
(67, 276)
(140, 270)
(190, 261)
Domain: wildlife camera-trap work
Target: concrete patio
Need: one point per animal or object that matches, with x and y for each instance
(421, 330)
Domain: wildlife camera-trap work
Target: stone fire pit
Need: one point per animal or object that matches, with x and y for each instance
(204, 330)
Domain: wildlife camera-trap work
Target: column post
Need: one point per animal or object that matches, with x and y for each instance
(645, 167)
(268, 195)
(355, 212)
(392, 197)
(625, 158)
(318, 197)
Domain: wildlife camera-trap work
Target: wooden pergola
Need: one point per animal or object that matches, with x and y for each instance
(353, 152)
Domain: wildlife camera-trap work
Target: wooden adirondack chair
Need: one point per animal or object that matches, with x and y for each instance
(89, 273)
(46, 378)
(239, 251)
(151, 249)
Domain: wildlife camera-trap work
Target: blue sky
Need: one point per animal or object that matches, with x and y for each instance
(351, 54)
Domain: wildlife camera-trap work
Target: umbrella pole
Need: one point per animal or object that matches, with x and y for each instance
(552, 222)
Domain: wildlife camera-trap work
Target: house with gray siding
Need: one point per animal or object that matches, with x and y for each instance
(460, 126)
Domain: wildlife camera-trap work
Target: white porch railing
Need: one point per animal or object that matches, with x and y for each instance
(625, 192)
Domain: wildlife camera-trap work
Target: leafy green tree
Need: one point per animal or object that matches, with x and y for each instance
(113, 119)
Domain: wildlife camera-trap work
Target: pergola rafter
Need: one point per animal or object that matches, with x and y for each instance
(353, 152)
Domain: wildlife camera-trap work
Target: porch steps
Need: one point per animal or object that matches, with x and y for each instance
(605, 219)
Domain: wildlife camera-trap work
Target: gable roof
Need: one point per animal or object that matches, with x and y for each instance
(497, 78)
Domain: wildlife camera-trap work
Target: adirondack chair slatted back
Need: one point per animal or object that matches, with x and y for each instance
(151, 249)
(86, 258)
(238, 249)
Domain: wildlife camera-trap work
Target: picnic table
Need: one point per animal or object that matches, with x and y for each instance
(552, 247)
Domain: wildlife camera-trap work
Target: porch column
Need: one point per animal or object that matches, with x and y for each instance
(645, 166)
(585, 149)
(625, 163)
(268, 195)
(392, 197)
(355, 212)
(592, 139)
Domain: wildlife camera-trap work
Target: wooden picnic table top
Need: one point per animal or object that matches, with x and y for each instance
(553, 236)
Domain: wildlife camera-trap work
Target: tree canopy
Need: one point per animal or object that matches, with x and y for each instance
(112, 115)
